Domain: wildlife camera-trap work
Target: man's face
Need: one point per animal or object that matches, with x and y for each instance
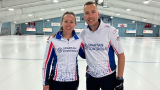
(91, 15)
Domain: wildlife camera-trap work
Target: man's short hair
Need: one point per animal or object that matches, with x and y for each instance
(89, 3)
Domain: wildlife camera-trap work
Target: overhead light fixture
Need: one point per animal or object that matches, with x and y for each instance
(14, 22)
(48, 20)
(133, 21)
(16, 50)
(146, 2)
(128, 9)
(144, 19)
(100, 1)
(111, 17)
(30, 15)
(105, 5)
(55, 1)
(11, 9)
(62, 9)
(41, 18)
(118, 14)
(26, 23)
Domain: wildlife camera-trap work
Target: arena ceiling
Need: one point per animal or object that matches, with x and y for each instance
(34, 10)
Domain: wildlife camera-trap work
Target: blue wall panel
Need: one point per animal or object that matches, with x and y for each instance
(24, 26)
(122, 30)
(7, 25)
(140, 28)
(120, 20)
(81, 25)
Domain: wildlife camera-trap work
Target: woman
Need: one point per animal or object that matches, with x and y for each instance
(61, 54)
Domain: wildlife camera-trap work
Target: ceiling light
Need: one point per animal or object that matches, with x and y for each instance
(48, 20)
(55, 1)
(11, 9)
(145, 2)
(118, 14)
(144, 19)
(128, 9)
(30, 15)
(26, 23)
(41, 18)
(62, 9)
(133, 21)
(105, 5)
(100, 1)
(15, 22)
(111, 17)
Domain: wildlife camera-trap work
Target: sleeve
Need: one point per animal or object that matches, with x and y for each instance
(82, 34)
(115, 41)
(82, 51)
(48, 57)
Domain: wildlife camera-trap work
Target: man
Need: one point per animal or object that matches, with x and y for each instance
(100, 42)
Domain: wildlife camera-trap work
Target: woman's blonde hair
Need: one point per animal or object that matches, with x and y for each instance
(61, 28)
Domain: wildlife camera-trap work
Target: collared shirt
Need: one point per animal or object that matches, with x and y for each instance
(100, 47)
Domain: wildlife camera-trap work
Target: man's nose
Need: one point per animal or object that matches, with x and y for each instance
(90, 15)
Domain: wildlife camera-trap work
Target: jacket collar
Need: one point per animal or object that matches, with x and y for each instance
(101, 25)
(59, 35)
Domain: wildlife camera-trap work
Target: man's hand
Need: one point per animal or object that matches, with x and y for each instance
(46, 87)
(119, 84)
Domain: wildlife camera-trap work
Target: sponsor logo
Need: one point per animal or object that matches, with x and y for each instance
(97, 47)
(59, 50)
(118, 38)
(67, 49)
(107, 26)
(114, 32)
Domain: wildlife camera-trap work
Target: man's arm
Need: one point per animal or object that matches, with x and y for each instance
(121, 64)
(115, 42)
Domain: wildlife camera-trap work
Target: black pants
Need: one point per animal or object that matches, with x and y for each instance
(55, 85)
(105, 83)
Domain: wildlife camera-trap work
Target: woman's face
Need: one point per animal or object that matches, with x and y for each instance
(68, 23)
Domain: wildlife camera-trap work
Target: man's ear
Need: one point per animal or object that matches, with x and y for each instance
(98, 14)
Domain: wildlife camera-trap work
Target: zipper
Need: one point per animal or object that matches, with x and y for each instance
(94, 37)
(67, 41)
(67, 57)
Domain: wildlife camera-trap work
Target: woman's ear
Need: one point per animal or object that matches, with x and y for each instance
(61, 23)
